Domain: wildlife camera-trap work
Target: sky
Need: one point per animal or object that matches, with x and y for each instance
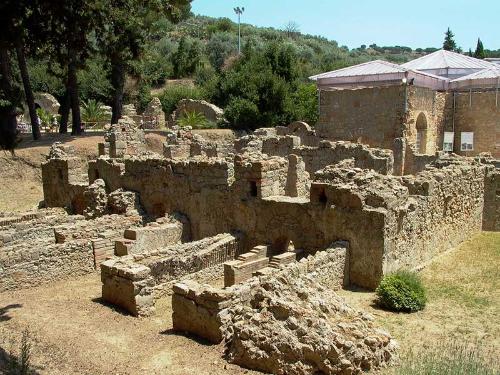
(419, 23)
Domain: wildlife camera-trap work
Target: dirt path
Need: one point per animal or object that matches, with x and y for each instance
(74, 333)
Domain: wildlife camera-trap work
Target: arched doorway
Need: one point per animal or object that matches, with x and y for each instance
(421, 141)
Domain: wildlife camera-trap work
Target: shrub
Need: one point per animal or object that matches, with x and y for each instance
(242, 114)
(195, 120)
(92, 111)
(46, 119)
(401, 291)
(173, 94)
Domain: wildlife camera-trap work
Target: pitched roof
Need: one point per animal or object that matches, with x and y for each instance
(446, 60)
(369, 68)
(489, 73)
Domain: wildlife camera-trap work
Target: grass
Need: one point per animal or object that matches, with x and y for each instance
(449, 358)
(463, 306)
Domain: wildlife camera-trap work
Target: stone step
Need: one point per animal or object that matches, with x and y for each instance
(122, 246)
(255, 253)
(281, 259)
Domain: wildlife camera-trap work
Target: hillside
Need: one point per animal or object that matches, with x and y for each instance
(266, 85)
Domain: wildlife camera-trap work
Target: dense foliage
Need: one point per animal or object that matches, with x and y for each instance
(401, 291)
(120, 51)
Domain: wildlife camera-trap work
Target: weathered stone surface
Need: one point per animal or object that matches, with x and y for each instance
(210, 111)
(47, 102)
(155, 113)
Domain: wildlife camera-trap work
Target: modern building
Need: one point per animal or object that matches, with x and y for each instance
(443, 101)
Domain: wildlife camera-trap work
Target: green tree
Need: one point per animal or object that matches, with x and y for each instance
(187, 58)
(70, 24)
(479, 53)
(18, 17)
(449, 41)
(128, 23)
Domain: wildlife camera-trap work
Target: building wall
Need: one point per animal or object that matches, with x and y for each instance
(433, 106)
(372, 116)
(477, 112)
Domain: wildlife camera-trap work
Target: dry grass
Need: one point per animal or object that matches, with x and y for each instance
(463, 301)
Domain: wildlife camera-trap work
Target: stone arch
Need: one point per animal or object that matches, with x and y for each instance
(421, 140)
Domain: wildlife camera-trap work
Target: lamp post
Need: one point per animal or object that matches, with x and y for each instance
(239, 11)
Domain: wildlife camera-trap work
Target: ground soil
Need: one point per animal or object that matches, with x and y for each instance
(75, 333)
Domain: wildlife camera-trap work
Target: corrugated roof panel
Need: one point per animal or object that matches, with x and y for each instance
(482, 74)
(365, 69)
(446, 60)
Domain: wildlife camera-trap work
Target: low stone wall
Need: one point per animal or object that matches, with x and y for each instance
(21, 269)
(153, 236)
(133, 282)
(329, 153)
(491, 214)
(199, 309)
(289, 321)
(54, 246)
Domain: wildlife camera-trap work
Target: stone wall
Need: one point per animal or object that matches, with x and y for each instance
(133, 282)
(491, 216)
(478, 112)
(199, 309)
(372, 116)
(288, 321)
(250, 196)
(53, 246)
(431, 106)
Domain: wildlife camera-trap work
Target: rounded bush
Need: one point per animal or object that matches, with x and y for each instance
(401, 291)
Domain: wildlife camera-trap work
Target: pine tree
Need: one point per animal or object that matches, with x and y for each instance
(470, 54)
(479, 54)
(449, 41)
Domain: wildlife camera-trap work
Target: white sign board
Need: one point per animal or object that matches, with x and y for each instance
(467, 141)
(448, 141)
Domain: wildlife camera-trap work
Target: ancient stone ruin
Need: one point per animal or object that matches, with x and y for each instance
(250, 239)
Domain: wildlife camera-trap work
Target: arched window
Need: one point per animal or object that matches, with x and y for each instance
(421, 141)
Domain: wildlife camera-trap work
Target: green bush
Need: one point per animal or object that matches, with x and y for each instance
(401, 291)
(93, 111)
(173, 94)
(195, 120)
(242, 114)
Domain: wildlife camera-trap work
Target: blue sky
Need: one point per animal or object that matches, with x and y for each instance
(384, 22)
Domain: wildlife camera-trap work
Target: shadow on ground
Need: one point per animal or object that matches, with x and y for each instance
(5, 310)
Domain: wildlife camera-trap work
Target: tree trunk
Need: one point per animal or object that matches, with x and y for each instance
(64, 110)
(118, 83)
(74, 96)
(30, 99)
(8, 121)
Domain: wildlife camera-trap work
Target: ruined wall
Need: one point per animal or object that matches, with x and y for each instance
(133, 282)
(329, 153)
(444, 208)
(199, 308)
(54, 246)
(64, 180)
(478, 112)
(431, 106)
(491, 214)
(373, 116)
(220, 198)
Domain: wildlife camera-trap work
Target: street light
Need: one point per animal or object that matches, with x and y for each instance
(239, 11)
